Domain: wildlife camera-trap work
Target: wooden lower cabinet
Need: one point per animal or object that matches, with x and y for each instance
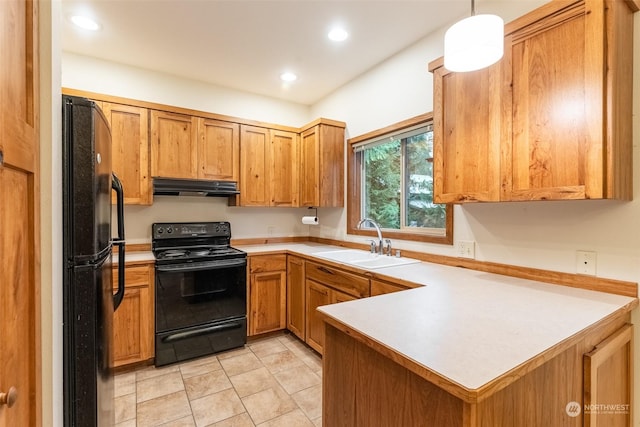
(296, 315)
(328, 285)
(267, 293)
(133, 321)
(380, 288)
(364, 387)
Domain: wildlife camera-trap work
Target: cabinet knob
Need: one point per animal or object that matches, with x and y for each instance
(9, 398)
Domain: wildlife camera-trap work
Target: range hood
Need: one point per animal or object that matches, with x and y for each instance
(193, 187)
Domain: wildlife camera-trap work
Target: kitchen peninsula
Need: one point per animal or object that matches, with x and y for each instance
(476, 349)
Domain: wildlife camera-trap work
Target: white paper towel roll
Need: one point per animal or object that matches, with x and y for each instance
(310, 220)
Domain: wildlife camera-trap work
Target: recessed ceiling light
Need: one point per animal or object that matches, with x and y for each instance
(85, 23)
(288, 77)
(338, 35)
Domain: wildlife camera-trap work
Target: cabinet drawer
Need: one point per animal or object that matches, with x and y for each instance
(262, 263)
(351, 284)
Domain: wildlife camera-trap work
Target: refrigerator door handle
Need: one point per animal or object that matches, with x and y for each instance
(119, 241)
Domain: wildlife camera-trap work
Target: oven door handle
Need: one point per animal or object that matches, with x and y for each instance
(200, 266)
(178, 336)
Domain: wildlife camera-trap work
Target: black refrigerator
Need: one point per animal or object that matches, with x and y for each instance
(89, 300)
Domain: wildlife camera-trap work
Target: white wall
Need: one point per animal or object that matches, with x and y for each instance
(51, 214)
(94, 75)
(534, 234)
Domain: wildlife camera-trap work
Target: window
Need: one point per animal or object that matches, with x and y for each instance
(391, 182)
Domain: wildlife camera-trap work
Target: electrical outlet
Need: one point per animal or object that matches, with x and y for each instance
(586, 263)
(271, 230)
(466, 249)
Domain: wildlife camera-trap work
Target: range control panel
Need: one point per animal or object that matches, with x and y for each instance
(185, 230)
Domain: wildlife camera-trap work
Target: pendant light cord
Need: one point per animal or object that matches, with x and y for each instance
(473, 7)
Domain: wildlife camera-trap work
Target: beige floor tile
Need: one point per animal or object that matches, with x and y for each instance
(125, 408)
(209, 383)
(252, 382)
(318, 422)
(312, 361)
(216, 407)
(129, 423)
(182, 422)
(152, 371)
(159, 386)
(310, 401)
(297, 378)
(124, 384)
(163, 409)
(268, 404)
(281, 361)
(192, 370)
(265, 348)
(233, 353)
(294, 418)
(242, 420)
(239, 364)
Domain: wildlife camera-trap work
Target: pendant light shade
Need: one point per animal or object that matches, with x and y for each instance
(474, 43)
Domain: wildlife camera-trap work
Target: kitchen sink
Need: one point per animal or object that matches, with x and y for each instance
(364, 259)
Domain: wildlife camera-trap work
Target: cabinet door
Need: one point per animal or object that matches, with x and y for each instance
(331, 171)
(558, 109)
(284, 168)
(174, 148)
(130, 150)
(254, 166)
(296, 296)
(467, 133)
(337, 296)
(218, 150)
(309, 167)
(322, 166)
(268, 302)
(317, 295)
(608, 380)
(133, 323)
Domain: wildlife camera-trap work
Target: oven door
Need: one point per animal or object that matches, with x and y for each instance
(200, 309)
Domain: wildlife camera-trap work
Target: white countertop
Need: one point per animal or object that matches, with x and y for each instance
(465, 325)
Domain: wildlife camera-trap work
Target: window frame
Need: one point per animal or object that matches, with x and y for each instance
(354, 186)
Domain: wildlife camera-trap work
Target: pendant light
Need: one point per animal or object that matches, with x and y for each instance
(474, 43)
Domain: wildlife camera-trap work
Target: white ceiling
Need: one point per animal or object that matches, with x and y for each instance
(246, 45)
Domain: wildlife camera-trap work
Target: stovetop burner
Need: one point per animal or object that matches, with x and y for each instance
(193, 242)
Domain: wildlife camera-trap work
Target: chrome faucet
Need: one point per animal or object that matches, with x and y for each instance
(377, 227)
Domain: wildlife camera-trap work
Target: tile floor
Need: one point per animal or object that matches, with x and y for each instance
(271, 382)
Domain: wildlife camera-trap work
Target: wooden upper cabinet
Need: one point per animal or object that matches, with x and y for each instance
(284, 168)
(255, 155)
(218, 150)
(130, 150)
(268, 167)
(174, 145)
(468, 134)
(551, 120)
(322, 166)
